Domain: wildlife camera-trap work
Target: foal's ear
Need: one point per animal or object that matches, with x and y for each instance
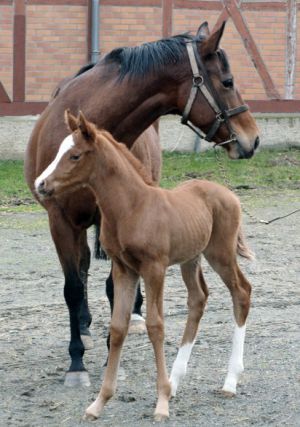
(203, 31)
(87, 129)
(210, 45)
(71, 121)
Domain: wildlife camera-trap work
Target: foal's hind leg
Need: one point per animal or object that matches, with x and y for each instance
(125, 282)
(197, 297)
(240, 290)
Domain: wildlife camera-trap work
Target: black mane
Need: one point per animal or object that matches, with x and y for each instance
(149, 57)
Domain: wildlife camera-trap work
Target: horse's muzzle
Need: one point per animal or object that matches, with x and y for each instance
(43, 191)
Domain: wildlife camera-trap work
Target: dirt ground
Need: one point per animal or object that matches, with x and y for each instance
(34, 333)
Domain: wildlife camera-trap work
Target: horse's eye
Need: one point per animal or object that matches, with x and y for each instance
(75, 157)
(228, 83)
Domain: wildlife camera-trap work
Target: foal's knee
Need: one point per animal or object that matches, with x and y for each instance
(117, 335)
(155, 330)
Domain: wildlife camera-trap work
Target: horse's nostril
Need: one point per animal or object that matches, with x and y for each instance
(256, 143)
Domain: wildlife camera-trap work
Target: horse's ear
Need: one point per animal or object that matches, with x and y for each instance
(210, 45)
(203, 31)
(87, 129)
(71, 121)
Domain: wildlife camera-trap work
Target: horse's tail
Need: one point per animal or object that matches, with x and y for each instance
(242, 247)
(98, 250)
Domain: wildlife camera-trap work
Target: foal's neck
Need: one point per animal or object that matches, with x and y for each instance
(118, 187)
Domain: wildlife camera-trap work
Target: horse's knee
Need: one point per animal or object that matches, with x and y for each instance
(117, 335)
(155, 330)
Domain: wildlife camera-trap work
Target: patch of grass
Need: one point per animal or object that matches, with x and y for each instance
(13, 188)
(270, 169)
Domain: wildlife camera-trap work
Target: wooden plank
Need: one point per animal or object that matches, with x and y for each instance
(19, 35)
(260, 106)
(3, 94)
(167, 18)
(251, 48)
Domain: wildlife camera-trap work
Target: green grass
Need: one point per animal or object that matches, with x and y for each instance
(275, 170)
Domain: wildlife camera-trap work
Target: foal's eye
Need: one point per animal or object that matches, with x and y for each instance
(228, 83)
(75, 157)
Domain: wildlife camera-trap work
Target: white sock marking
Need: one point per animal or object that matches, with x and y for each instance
(235, 366)
(180, 366)
(66, 145)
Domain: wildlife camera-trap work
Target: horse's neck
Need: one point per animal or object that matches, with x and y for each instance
(128, 108)
(117, 185)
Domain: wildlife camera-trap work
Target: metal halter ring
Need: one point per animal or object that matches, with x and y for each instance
(198, 81)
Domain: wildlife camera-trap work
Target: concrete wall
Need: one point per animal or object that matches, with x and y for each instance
(276, 130)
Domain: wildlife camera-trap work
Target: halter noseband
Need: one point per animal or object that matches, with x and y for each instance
(202, 82)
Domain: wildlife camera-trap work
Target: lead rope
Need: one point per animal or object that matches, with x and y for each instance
(247, 212)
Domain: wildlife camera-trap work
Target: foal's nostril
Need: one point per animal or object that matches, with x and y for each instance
(41, 187)
(256, 143)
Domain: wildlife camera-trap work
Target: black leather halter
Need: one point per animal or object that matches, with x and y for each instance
(202, 82)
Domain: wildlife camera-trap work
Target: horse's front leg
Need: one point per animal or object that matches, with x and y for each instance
(125, 282)
(67, 242)
(137, 322)
(154, 275)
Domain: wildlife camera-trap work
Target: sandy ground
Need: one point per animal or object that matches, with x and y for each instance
(34, 333)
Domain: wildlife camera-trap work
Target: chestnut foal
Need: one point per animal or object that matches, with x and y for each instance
(145, 229)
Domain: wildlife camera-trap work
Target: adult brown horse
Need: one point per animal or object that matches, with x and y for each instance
(125, 92)
(144, 230)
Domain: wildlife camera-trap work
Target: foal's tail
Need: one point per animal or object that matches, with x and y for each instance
(242, 247)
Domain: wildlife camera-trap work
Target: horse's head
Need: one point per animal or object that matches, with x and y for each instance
(214, 104)
(72, 165)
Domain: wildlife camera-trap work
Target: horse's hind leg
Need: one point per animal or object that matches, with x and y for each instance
(85, 315)
(240, 290)
(197, 297)
(125, 282)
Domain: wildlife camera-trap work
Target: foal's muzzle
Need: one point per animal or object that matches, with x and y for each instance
(43, 191)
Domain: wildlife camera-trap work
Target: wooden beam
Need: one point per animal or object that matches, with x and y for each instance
(3, 94)
(250, 45)
(167, 18)
(19, 35)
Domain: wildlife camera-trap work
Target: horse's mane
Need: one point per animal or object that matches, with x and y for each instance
(149, 57)
(135, 163)
(83, 69)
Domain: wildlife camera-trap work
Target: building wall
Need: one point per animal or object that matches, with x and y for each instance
(56, 38)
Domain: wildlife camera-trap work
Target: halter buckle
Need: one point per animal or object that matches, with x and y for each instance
(198, 81)
(220, 117)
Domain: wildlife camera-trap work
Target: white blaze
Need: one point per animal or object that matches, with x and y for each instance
(66, 145)
(235, 366)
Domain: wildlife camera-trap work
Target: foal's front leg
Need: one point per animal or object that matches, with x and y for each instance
(125, 283)
(154, 281)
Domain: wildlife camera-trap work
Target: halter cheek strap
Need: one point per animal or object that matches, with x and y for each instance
(202, 83)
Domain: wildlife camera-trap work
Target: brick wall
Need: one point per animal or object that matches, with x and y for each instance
(57, 38)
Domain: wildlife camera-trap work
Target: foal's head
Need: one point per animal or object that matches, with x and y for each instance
(239, 127)
(74, 162)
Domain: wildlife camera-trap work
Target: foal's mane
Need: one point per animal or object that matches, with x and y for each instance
(149, 57)
(130, 158)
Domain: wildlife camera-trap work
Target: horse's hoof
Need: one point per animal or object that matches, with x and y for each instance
(137, 324)
(87, 342)
(89, 417)
(227, 393)
(75, 379)
(160, 417)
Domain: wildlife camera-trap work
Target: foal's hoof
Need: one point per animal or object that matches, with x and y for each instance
(87, 342)
(160, 417)
(89, 417)
(75, 379)
(137, 324)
